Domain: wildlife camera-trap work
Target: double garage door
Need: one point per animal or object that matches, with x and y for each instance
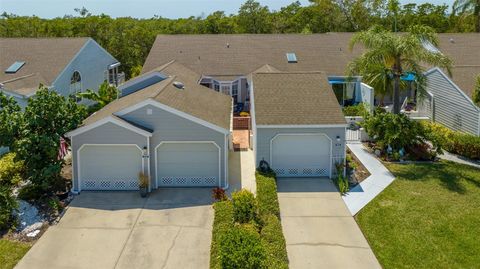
(116, 167)
(301, 155)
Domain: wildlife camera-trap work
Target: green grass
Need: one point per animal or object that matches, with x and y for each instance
(11, 252)
(428, 218)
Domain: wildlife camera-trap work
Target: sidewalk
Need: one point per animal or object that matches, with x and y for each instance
(380, 178)
(458, 159)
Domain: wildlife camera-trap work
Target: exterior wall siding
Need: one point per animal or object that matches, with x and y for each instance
(170, 127)
(265, 135)
(92, 62)
(108, 133)
(451, 107)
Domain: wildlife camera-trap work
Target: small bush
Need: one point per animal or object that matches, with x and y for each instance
(218, 194)
(241, 248)
(274, 243)
(7, 205)
(267, 195)
(223, 222)
(30, 193)
(355, 110)
(11, 171)
(455, 142)
(244, 206)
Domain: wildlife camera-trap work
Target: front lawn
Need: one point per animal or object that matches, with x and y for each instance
(428, 218)
(11, 252)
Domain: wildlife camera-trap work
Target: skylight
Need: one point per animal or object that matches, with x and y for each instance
(430, 47)
(291, 57)
(14, 67)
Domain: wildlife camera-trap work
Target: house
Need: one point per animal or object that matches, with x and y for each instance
(298, 125)
(449, 99)
(66, 65)
(225, 61)
(165, 125)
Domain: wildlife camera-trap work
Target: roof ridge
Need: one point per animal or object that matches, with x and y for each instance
(167, 81)
(291, 72)
(19, 78)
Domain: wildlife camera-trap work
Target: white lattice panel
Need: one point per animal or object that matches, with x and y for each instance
(188, 181)
(109, 184)
(301, 172)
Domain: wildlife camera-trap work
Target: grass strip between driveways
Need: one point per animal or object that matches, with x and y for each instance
(427, 218)
(11, 252)
(270, 229)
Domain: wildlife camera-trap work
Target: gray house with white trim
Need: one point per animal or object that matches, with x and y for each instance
(66, 65)
(170, 128)
(298, 125)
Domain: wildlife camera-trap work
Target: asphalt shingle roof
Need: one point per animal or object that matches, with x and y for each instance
(194, 99)
(291, 98)
(44, 59)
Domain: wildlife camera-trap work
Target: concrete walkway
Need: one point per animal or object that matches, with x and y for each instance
(359, 196)
(172, 228)
(319, 230)
(241, 171)
(458, 159)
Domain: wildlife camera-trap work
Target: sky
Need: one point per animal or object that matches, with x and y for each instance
(143, 8)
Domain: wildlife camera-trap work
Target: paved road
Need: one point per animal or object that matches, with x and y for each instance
(319, 230)
(170, 229)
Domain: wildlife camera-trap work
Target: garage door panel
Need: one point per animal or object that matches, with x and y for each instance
(187, 164)
(109, 167)
(301, 155)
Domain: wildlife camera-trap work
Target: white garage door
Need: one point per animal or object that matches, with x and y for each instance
(301, 155)
(104, 167)
(187, 164)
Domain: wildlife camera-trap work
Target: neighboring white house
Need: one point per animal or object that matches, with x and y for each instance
(170, 128)
(66, 65)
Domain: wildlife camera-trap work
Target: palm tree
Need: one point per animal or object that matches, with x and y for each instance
(395, 55)
(471, 7)
(106, 94)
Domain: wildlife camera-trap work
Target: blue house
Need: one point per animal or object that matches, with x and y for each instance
(66, 65)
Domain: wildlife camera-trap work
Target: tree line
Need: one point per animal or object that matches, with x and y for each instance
(130, 39)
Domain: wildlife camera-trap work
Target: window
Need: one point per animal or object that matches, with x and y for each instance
(76, 86)
(345, 92)
(216, 86)
(14, 67)
(291, 57)
(235, 92)
(226, 89)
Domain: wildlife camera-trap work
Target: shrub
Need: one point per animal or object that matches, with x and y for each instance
(267, 195)
(455, 142)
(11, 171)
(244, 206)
(223, 222)
(218, 194)
(241, 247)
(7, 205)
(274, 243)
(30, 193)
(355, 110)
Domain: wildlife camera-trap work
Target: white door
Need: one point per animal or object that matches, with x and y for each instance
(301, 155)
(109, 167)
(188, 164)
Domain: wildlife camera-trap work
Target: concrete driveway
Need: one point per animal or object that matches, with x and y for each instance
(319, 230)
(170, 229)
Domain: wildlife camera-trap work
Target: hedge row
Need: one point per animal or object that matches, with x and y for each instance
(234, 244)
(455, 142)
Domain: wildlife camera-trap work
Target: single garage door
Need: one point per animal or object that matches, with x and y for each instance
(301, 155)
(104, 167)
(188, 164)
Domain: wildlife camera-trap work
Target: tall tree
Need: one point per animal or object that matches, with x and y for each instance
(471, 7)
(254, 18)
(399, 54)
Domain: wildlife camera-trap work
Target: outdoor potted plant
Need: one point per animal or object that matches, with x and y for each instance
(143, 184)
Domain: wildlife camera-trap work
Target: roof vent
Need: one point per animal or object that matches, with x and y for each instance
(178, 85)
(228, 45)
(14, 67)
(291, 57)
(452, 40)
